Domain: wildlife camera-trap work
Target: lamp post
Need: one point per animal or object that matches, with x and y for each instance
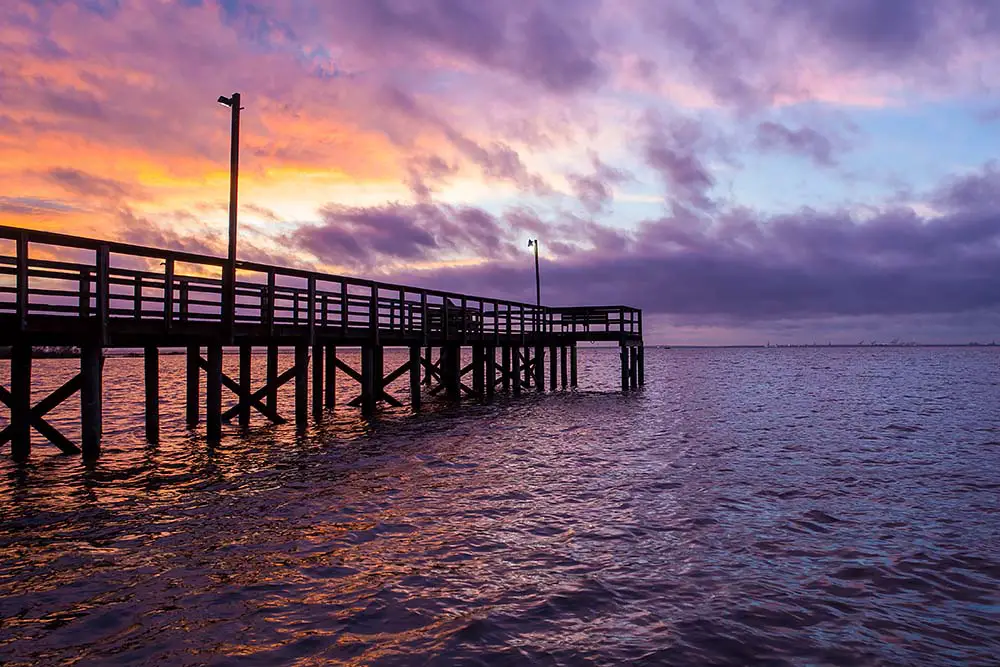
(538, 284)
(229, 279)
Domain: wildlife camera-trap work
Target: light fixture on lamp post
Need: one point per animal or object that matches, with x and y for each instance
(229, 279)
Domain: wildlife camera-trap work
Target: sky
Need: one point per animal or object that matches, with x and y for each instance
(746, 172)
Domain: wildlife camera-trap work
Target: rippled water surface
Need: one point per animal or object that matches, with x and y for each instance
(804, 507)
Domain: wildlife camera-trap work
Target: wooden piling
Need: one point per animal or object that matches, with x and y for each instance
(491, 372)
(633, 372)
(562, 364)
(539, 367)
(526, 358)
(193, 382)
(368, 390)
(451, 367)
(318, 390)
(479, 370)
(20, 408)
(151, 356)
(429, 360)
(91, 398)
(572, 365)
(330, 392)
(415, 378)
(642, 366)
(246, 382)
(213, 393)
(515, 370)
(553, 368)
(301, 385)
(505, 367)
(625, 370)
(271, 400)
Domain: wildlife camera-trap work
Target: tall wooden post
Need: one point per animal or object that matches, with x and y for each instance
(193, 382)
(505, 367)
(368, 395)
(272, 375)
(572, 365)
(301, 385)
(562, 358)
(540, 367)
(625, 370)
(246, 382)
(91, 397)
(515, 370)
(330, 393)
(491, 372)
(451, 367)
(428, 359)
(478, 370)
(642, 366)
(553, 368)
(318, 390)
(415, 378)
(213, 393)
(633, 372)
(527, 366)
(151, 367)
(20, 408)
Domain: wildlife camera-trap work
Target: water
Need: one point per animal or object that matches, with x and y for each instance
(800, 507)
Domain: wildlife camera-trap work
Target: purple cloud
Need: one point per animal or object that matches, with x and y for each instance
(594, 190)
(805, 141)
(673, 149)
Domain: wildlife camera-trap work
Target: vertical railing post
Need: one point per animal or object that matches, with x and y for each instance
(168, 293)
(424, 324)
(137, 297)
(373, 313)
(311, 308)
(183, 306)
(103, 292)
(271, 313)
(22, 280)
(85, 294)
(345, 313)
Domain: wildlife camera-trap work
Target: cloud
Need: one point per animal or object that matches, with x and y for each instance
(33, 206)
(365, 237)
(673, 148)
(806, 141)
(595, 190)
(87, 185)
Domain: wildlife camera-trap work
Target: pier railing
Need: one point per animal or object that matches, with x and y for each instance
(48, 279)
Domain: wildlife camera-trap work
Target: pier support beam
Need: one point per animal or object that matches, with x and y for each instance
(20, 405)
(479, 370)
(318, 389)
(301, 385)
(642, 366)
(539, 367)
(553, 368)
(151, 366)
(271, 398)
(369, 392)
(515, 371)
(562, 359)
(572, 366)
(625, 369)
(415, 378)
(451, 370)
(246, 377)
(428, 364)
(91, 398)
(633, 372)
(330, 392)
(213, 393)
(193, 382)
(526, 363)
(491, 372)
(505, 367)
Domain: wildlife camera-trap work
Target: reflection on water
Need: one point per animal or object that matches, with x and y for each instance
(772, 506)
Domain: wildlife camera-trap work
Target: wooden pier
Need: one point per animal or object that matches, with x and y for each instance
(62, 290)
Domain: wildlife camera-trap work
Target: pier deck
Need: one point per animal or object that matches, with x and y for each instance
(62, 290)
